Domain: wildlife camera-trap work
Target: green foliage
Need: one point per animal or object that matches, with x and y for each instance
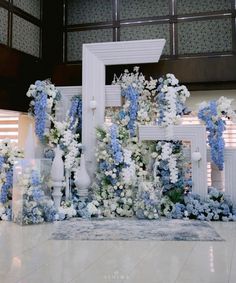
(176, 195)
(101, 133)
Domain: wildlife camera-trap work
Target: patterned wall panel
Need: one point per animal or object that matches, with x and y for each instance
(193, 6)
(76, 39)
(147, 32)
(3, 25)
(89, 11)
(30, 6)
(143, 8)
(205, 36)
(25, 36)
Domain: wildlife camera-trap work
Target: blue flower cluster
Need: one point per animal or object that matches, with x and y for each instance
(40, 92)
(146, 204)
(8, 184)
(116, 148)
(37, 207)
(132, 95)
(40, 114)
(82, 210)
(215, 126)
(75, 113)
(216, 207)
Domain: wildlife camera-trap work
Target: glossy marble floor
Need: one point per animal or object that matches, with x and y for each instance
(27, 256)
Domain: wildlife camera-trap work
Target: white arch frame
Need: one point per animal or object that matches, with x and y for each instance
(96, 57)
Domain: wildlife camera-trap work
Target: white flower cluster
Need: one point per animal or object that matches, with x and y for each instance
(9, 153)
(224, 106)
(3, 212)
(129, 172)
(146, 111)
(65, 211)
(134, 79)
(48, 88)
(63, 135)
(56, 133)
(93, 208)
(171, 79)
(170, 116)
(173, 95)
(72, 149)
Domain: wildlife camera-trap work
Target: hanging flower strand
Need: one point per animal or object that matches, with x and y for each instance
(42, 106)
(212, 115)
(132, 85)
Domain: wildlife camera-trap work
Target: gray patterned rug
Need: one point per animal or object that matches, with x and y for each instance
(134, 229)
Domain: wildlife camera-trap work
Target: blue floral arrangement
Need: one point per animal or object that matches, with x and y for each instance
(216, 207)
(213, 114)
(131, 95)
(36, 206)
(169, 166)
(116, 149)
(8, 154)
(111, 193)
(147, 201)
(44, 97)
(132, 85)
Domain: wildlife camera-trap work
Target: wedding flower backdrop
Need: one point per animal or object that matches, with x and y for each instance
(146, 179)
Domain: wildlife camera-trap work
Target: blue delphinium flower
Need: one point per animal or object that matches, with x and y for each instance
(40, 114)
(215, 126)
(132, 95)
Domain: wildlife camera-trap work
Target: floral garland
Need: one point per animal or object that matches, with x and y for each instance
(170, 100)
(36, 206)
(212, 114)
(8, 154)
(44, 97)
